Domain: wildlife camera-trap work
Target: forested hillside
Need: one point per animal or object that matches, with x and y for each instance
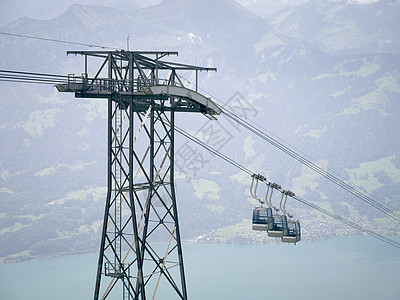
(322, 76)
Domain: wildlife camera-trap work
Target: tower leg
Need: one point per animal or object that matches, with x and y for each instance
(108, 198)
(140, 245)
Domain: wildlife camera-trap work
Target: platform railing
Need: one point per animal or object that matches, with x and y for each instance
(84, 83)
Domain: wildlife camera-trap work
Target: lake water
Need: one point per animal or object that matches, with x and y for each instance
(342, 268)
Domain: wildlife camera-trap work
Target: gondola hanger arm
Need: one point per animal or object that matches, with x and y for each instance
(283, 205)
(253, 192)
(266, 195)
(270, 197)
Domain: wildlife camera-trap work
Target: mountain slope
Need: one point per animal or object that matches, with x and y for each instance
(266, 8)
(344, 27)
(340, 109)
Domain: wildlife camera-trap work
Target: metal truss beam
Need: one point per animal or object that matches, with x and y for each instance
(141, 248)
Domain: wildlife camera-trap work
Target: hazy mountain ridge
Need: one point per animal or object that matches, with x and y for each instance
(343, 27)
(267, 8)
(342, 111)
(51, 192)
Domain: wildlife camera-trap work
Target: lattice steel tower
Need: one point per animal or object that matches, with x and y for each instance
(140, 244)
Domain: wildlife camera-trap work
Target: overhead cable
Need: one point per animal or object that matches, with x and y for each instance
(57, 40)
(325, 172)
(45, 78)
(30, 77)
(313, 166)
(292, 195)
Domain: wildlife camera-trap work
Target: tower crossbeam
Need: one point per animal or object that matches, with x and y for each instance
(140, 243)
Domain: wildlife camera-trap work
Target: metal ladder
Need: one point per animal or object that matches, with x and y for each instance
(118, 195)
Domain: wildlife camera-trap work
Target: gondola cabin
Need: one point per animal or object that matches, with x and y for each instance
(262, 218)
(294, 233)
(279, 226)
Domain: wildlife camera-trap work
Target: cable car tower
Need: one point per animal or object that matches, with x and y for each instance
(140, 243)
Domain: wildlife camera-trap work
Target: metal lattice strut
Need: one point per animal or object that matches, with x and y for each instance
(140, 245)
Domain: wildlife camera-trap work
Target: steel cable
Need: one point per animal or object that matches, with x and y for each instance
(307, 162)
(312, 205)
(15, 76)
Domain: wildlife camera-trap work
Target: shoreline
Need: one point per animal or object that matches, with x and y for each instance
(199, 240)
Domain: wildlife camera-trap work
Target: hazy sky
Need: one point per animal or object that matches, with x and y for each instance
(11, 10)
